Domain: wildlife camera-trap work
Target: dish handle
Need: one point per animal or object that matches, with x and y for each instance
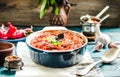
(54, 28)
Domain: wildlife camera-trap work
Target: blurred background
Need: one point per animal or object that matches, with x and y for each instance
(26, 13)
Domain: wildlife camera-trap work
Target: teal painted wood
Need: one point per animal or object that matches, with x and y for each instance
(4, 72)
(114, 33)
(109, 70)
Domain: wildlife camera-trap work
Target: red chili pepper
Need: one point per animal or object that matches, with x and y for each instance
(3, 28)
(0, 34)
(11, 30)
(18, 34)
(3, 32)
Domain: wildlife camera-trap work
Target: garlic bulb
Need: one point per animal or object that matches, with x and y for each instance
(101, 39)
(112, 45)
(98, 46)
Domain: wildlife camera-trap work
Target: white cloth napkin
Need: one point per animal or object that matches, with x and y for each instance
(95, 72)
(31, 69)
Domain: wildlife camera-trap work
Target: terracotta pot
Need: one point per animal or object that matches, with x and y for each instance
(61, 18)
(6, 49)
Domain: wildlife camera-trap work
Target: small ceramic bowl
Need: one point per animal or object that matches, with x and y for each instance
(6, 49)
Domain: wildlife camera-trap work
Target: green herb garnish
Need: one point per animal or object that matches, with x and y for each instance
(53, 41)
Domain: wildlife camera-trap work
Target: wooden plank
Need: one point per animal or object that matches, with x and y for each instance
(25, 12)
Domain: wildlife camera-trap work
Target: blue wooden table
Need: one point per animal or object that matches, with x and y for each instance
(109, 70)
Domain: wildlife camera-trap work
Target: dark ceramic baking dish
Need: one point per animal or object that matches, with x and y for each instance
(55, 59)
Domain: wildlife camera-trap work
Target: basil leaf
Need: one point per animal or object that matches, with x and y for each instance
(42, 10)
(53, 41)
(42, 14)
(47, 5)
(56, 43)
(52, 2)
(38, 2)
(56, 9)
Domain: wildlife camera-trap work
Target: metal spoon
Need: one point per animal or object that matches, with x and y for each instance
(108, 56)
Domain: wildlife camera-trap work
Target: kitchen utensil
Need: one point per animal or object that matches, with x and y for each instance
(107, 57)
(104, 10)
(102, 19)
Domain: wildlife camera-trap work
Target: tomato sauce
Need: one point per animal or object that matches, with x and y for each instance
(46, 40)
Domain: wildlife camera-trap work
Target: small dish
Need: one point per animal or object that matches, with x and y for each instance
(57, 58)
(14, 40)
(13, 62)
(6, 49)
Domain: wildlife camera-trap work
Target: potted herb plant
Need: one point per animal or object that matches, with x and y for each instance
(60, 10)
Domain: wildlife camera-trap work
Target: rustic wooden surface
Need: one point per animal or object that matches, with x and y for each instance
(25, 12)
